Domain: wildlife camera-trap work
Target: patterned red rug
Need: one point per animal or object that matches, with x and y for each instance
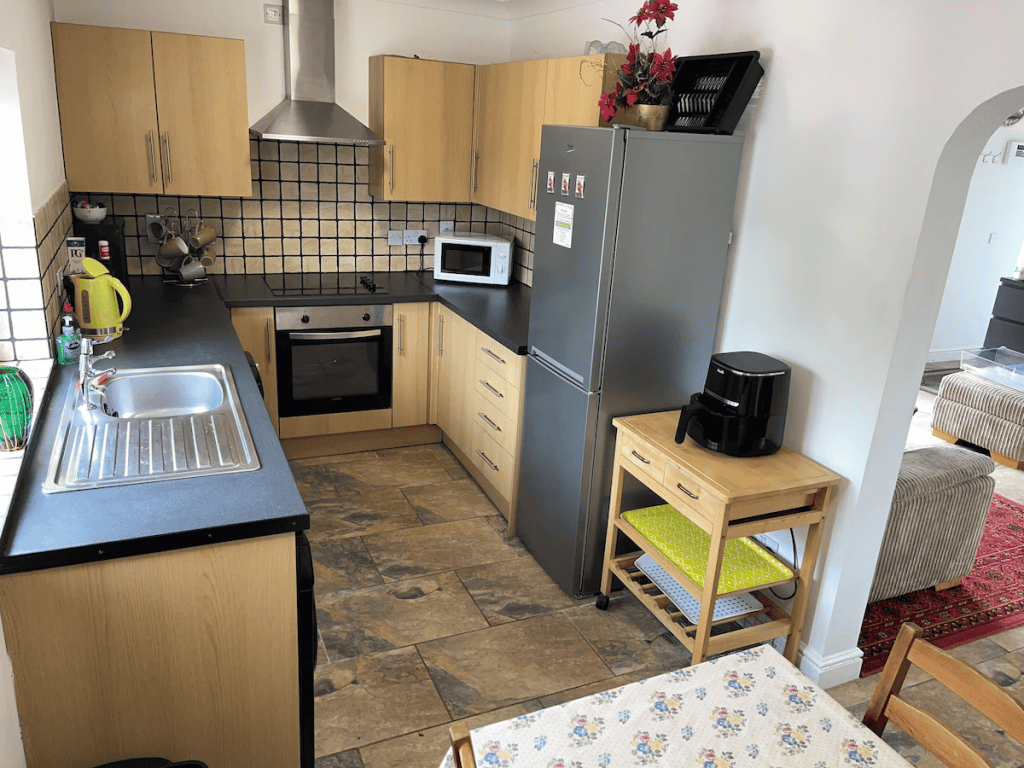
(989, 600)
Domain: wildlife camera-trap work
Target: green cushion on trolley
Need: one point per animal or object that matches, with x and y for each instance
(744, 564)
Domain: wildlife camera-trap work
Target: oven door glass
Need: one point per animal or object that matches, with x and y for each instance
(473, 260)
(333, 371)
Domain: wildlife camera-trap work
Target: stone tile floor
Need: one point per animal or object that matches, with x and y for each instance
(430, 613)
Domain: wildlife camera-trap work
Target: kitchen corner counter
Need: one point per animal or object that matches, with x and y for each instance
(502, 312)
(168, 326)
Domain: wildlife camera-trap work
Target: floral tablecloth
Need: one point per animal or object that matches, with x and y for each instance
(751, 708)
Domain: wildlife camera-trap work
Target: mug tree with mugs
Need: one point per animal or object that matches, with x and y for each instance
(186, 251)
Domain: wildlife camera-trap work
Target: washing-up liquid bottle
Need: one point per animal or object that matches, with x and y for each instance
(69, 343)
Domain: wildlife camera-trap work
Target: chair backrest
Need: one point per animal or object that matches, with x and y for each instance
(462, 746)
(974, 687)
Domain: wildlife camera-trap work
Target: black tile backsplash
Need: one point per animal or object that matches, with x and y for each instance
(311, 211)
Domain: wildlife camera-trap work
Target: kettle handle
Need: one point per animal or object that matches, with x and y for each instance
(126, 299)
(688, 412)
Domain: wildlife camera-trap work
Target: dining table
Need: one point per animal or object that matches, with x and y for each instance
(748, 708)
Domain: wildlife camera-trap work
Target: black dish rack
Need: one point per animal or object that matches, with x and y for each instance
(709, 93)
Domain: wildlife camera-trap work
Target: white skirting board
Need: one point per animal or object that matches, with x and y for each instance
(832, 670)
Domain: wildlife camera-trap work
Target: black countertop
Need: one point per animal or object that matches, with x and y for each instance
(502, 312)
(168, 326)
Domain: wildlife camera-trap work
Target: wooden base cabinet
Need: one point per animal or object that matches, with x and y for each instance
(151, 112)
(189, 654)
(254, 327)
(454, 367)
(410, 399)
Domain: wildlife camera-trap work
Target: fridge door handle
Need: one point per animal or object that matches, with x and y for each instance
(557, 368)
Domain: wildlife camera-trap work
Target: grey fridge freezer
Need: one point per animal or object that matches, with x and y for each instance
(632, 238)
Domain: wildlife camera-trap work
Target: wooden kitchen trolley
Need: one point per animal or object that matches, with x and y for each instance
(727, 498)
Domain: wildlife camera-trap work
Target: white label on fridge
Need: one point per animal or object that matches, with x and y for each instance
(563, 225)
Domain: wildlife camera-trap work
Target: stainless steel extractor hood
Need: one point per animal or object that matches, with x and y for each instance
(309, 111)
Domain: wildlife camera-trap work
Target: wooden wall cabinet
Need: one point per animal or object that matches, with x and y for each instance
(254, 327)
(513, 102)
(151, 112)
(424, 111)
(411, 365)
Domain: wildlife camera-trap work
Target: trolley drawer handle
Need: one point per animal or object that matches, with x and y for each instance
(490, 423)
(490, 463)
(491, 389)
(490, 354)
(645, 461)
(691, 495)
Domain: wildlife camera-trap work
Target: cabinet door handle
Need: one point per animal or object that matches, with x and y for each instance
(440, 335)
(400, 335)
(472, 173)
(490, 423)
(490, 354)
(490, 463)
(533, 184)
(645, 461)
(270, 333)
(152, 158)
(691, 495)
(167, 152)
(391, 168)
(491, 389)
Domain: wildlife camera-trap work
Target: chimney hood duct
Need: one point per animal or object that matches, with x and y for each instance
(309, 111)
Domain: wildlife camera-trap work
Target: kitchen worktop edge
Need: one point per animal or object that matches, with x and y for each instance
(502, 312)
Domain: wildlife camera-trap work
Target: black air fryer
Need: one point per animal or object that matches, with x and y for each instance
(742, 410)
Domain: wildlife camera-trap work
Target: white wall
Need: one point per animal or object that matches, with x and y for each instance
(455, 30)
(995, 204)
(859, 100)
(26, 31)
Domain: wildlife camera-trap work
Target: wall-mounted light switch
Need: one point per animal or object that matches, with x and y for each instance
(395, 237)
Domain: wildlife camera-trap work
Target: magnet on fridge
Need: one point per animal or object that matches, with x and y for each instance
(579, 185)
(551, 182)
(565, 183)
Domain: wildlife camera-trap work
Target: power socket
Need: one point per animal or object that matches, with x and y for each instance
(395, 237)
(412, 236)
(446, 226)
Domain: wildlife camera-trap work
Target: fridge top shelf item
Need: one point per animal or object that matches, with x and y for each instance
(1001, 365)
(711, 92)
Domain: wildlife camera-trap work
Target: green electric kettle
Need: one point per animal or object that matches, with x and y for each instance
(96, 306)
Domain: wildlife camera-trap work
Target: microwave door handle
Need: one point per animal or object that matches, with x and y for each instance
(334, 336)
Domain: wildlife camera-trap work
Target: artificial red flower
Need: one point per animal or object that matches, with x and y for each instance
(642, 15)
(607, 105)
(634, 49)
(631, 97)
(663, 66)
(660, 11)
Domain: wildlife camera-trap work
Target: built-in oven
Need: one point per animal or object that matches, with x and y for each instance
(333, 359)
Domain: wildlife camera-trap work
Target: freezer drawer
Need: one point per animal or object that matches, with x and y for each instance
(555, 473)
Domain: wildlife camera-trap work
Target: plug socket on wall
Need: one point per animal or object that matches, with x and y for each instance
(412, 236)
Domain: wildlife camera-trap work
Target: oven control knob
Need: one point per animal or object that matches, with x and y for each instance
(366, 316)
(305, 318)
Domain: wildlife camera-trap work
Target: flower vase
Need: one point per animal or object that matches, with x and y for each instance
(651, 116)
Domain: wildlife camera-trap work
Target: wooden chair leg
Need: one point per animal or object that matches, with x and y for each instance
(948, 584)
(462, 746)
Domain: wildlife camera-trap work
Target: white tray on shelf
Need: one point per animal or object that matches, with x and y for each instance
(725, 607)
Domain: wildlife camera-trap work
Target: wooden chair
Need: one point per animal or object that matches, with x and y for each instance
(462, 746)
(977, 689)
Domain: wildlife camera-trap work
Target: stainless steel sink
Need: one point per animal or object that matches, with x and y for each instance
(151, 424)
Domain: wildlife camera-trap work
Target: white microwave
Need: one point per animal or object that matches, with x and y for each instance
(472, 257)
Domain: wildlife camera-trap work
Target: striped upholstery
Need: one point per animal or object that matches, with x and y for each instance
(981, 412)
(935, 522)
